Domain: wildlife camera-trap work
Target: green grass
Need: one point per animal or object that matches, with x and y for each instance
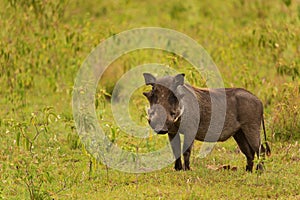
(255, 45)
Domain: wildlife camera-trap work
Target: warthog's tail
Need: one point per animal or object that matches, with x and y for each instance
(268, 149)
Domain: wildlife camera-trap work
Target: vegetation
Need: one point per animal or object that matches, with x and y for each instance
(255, 45)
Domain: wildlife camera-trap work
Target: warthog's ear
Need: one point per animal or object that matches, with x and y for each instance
(149, 79)
(180, 92)
(179, 80)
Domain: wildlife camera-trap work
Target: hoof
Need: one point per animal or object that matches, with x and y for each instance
(178, 167)
(260, 167)
(248, 169)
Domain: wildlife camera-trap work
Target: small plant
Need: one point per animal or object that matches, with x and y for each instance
(27, 133)
(28, 172)
(28, 162)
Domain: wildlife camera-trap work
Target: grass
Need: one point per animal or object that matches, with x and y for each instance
(255, 45)
(280, 179)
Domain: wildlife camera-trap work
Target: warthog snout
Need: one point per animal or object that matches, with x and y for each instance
(157, 119)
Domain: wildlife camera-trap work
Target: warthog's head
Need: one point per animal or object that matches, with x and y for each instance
(165, 109)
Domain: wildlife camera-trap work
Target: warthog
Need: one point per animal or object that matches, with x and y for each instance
(176, 107)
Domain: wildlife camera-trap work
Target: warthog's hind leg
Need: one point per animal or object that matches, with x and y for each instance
(245, 148)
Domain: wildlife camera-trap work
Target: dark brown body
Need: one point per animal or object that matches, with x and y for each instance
(243, 111)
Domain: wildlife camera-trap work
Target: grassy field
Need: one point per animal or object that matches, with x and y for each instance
(255, 44)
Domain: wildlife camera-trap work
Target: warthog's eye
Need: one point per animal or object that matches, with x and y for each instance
(172, 99)
(172, 113)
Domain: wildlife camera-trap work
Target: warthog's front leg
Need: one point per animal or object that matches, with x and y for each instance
(186, 156)
(176, 148)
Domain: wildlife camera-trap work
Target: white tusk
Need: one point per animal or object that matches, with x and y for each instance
(146, 109)
(181, 112)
